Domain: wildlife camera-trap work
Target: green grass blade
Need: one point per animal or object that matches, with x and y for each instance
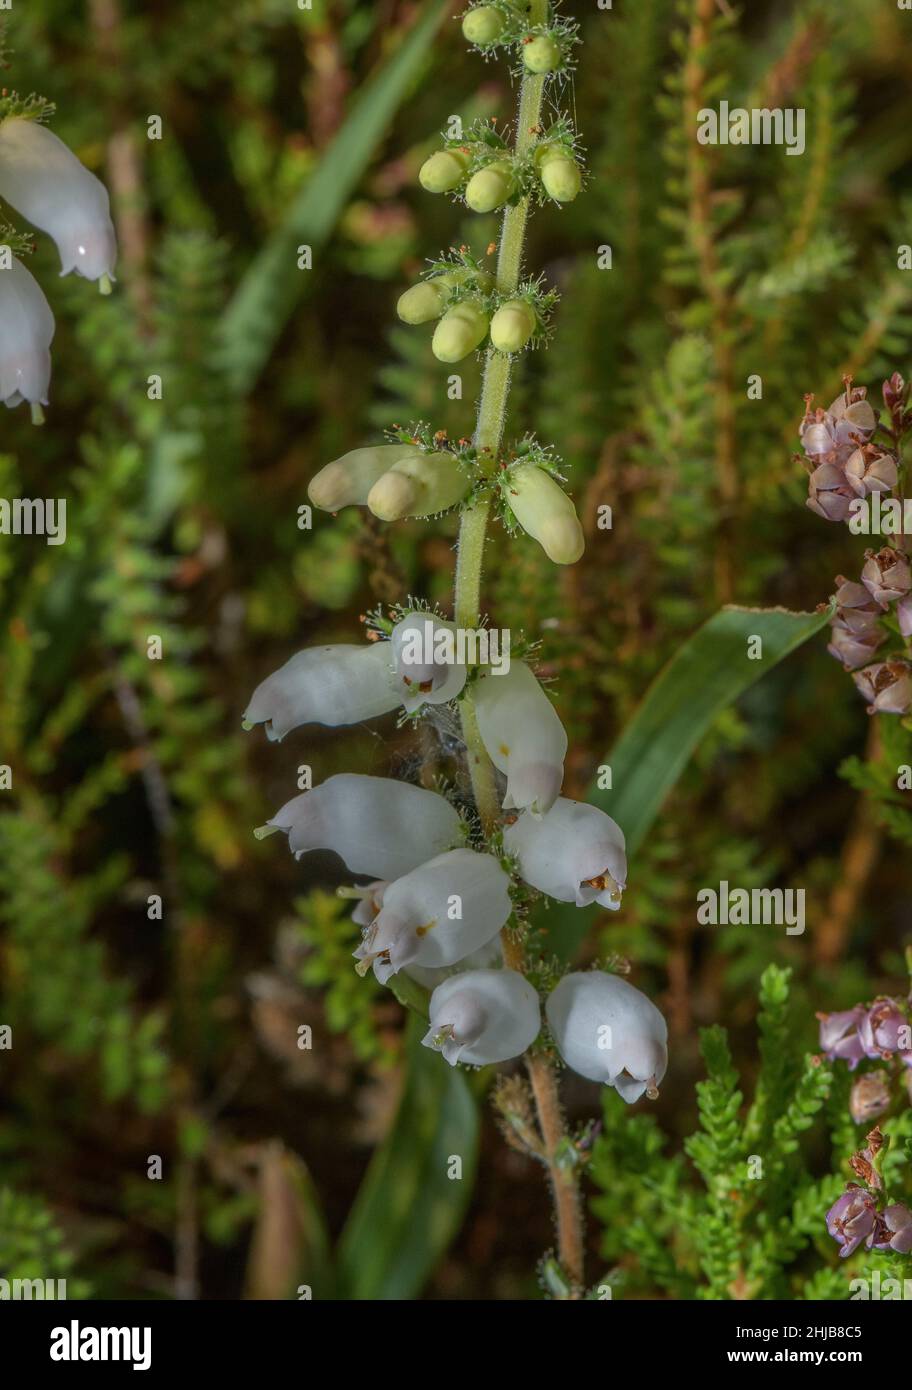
(708, 673)
(408, 1208)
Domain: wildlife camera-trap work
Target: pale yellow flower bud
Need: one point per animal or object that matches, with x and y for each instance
(483, 25)
(491, 187)
(418, 486)
(443, 171)
(461, 330)
(559, 172)
(544, 510)
(513, 325)
(347, 481)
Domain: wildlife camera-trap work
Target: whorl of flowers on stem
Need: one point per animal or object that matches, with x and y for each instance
(879, 1032)
(459, 297)
(855, 461)
(482, 169)
(864, 1214)
(537, 48)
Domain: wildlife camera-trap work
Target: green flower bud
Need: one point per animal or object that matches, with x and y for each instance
(559, 172)
(483, 25)
(542, 54)
(444, 171)
(347, 481)
(513, 325)
(491, 187)
(544, 510)
(424, 301)
(461, 330)
(418, 486)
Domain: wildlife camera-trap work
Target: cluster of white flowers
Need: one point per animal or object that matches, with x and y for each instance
(44, 182)
(434, 907)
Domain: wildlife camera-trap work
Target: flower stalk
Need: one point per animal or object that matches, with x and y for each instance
(489, 432)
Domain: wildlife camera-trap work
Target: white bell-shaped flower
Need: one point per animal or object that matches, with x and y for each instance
(483, 1016)
(437, 914)
(487, 957)
(26, 332)
(424, 659)
(43, 180)
(608, 1031)
(574, 854)
(337, 684)
(376, 825)
(523, 736)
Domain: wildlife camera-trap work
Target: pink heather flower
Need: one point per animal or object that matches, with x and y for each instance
(854, 417)
(893, 1230)
(885, 1029)
(851, 1219)
(854, 649)
(870, 1096)
(886, 575)
(887, 686)
(839, 1035)
(904, 615)
(856, 609)
(830, 495)
(869, 470)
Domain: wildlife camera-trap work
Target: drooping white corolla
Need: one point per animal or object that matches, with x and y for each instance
(575, 853)
(377, 825)
(609, 1031)
(483, 1016)
(341, 683)
(436, 915)
(26, 333)
(44, 181)
(523, 736)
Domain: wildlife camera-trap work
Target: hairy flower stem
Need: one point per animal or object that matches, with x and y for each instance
(488, 435)
(489, 431)
(564, 1186)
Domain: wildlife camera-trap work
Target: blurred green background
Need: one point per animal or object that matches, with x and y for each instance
(281, 127)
